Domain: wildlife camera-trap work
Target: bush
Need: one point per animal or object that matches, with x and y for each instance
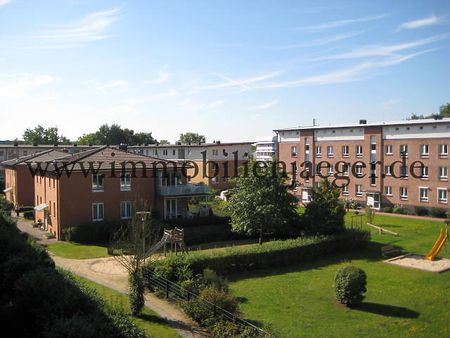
(387, 209)
(223, 329)
(271, 254)
(438, 212)
(350, 285)
(5, 205)
(98, 232)
(136, 295)
(448, 214)
(420, 211)
(399, 209)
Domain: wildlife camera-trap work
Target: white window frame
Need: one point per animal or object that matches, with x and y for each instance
(96, 187)
(165, 152)
(330, 151)
(424, 172)
(126, 210)
(443, 149)
(425, 198)
(387, 170)
(96, 212)
(359, 150)
(359, 169)
(125, 182)
(345, 189)
(330, 170)
(403, 193)
(424, 150)
(443, 169)
(404, 148)
(318, 150)
(215, 152)
(388, 190)
(442, 200)
(345, 151)
(294, 151)
(358, 189)
(389, 149)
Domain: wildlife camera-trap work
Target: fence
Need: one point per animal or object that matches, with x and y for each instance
(175, 292)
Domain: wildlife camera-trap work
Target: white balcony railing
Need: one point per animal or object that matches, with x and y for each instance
(185, 189)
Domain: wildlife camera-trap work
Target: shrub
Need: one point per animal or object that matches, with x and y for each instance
(98, 232)
(387, 209)
(211, 278)
(350, 285)
(5, 205)
(448, 214)
(399, 209)
(420, 211)
(438, 212)
(224, 329)
(136, 295)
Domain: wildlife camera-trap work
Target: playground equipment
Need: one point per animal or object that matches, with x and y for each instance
(174, 237)
(443, 236)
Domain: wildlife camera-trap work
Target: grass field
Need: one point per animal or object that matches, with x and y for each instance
(298, 301)
(149, 321)
(77, 251)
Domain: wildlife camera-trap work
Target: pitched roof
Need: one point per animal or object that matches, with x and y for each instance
(42, 156)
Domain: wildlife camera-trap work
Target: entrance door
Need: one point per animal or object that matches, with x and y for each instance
(306, 195)
(170, 208)
(373, 200)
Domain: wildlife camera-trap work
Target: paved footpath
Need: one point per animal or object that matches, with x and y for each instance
(108, 272)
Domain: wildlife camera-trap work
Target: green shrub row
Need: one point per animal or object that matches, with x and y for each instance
(271, 254)
(92, 233)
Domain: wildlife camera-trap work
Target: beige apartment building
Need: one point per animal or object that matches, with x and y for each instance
(377, 164)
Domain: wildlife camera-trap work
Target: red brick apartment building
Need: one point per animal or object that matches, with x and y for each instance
(355, 146)
(106, 192)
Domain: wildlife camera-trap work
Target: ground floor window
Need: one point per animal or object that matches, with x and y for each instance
(423, 194)
(125, 210)
(98, 211)
(442, 195)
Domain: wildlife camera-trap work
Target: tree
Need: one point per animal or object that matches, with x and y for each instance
(324, 215)
(163, 142)
(115, 135)
(87, 139)
(261, 203)
(191, 138)
(444, 110)
(41, 135)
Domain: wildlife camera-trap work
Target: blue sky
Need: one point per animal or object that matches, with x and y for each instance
(232, 70)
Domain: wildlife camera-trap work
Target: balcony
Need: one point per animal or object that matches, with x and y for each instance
(182, 190)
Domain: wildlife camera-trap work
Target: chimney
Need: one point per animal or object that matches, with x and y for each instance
(314, 122)
(362, 121)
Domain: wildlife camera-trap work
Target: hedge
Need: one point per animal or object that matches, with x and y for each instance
(271, 254)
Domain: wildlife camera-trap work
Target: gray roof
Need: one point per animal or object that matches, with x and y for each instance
(42, 156)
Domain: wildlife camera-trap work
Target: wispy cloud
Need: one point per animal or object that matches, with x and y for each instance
(20, 85)
(321, 41)
(350, 74)
(92, 27)
(113, 85)
(243, 84)
(264, 105)
(340, 23)
(428, 21)
(153, 97)
(163, 76)
(4, 2)
(385, 50)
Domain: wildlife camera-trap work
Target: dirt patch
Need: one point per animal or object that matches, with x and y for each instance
(418, 262)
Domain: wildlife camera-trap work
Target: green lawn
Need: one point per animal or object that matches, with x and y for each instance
(77, 251)
(298, 301)
(150, 322)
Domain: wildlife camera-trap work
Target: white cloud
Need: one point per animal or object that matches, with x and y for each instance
(385, 50)
(340, 23)
(16, 86)
(153, 97)
(428, 21)
(264, 105)
(321, 41)
(113, 85)
(4, 2)
(92, 27)
(350, 74)
(163, 76)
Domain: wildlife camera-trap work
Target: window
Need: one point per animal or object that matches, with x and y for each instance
(388, 190)
(443, 173)
(215, 152)
(373, 147)
(358, 189)
(442, 195)
(423, 193)
(404, 149)
(359, 150)
(424, 150)
(387, 170)
(359, 170)
(293, 151)
(318, 150)
(345, 151)
(345, 169)
(98, 182)
(125, 210)
(389, 149)
(174, 152)
(424, 172)
(125, 182)
(345, 190)
(403, 193)
(443, 150)
(330, 151)
(54, 209)
(97, 212)
(330, 170)
(165, 152)
(1, 153)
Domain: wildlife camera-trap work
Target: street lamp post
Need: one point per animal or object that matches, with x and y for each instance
(143, 215)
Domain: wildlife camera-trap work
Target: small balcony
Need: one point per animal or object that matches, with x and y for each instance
(183, 190)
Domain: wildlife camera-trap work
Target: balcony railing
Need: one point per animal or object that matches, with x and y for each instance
(185, 189)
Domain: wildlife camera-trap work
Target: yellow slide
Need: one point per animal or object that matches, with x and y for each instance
(443, 236)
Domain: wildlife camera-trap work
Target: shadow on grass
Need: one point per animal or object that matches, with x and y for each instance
(172, 323)
(386, 310)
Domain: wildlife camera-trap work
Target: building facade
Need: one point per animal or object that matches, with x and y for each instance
(378, 164)
(266, 149)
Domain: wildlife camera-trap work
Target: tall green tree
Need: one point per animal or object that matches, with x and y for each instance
(41, 135)
(444, 110)
(324, 215)
(191, 138)
(115, 135)
(260, 202)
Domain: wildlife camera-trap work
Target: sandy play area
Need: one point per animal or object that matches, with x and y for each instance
(418, 262)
